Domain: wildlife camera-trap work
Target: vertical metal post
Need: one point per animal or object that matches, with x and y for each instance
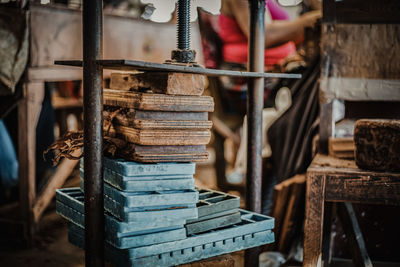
(255, 101)
(92, 25)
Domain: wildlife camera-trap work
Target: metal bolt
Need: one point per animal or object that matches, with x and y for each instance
(183, 25)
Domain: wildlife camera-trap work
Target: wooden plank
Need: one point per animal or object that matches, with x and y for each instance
(157, 102)
(377, 144)
(131, 114)
(354, 236)
(160, 82)
(342, 148)
(56, 181)
(127, 120)
(163, 137)
(28, 115)
(220, 261)
(367, 51)
(361, 186)
(293, 212)
(361, 11)
(313, 226)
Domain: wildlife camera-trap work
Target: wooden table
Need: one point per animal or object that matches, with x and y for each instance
(331, 180)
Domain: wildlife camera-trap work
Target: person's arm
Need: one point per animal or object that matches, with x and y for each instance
(276, 32)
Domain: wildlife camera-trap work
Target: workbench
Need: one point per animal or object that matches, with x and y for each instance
(330, 180)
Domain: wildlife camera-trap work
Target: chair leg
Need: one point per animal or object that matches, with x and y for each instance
(313, 226)
(352, 230)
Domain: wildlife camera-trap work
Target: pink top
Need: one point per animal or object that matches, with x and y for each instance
(235, 41)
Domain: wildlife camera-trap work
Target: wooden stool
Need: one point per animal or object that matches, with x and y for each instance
(330, 180)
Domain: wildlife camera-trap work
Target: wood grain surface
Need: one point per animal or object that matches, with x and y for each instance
(158, 102)
(163, 137)
(160, 82)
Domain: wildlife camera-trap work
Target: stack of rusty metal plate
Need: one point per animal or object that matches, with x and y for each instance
(163, 116)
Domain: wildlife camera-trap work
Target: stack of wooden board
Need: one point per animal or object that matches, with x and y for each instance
(162, 115)
(215, 210)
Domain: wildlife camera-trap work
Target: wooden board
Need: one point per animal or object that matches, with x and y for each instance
(293, 212)
(342, 148)
(160, 82)
(361, 11)
(377, 144)
(158, 102)
(123, 120)
(162, 137)
(133, 114)
(360, 62)
(286, 198)
(155, 154)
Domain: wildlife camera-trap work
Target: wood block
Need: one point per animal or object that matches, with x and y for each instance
(220, 261)
(160, 82)
(158, 102)
(342, 148)
(127, 120)
(377, 144)
(283, 205)
(132, 114)
(293, 212)
(162, 137)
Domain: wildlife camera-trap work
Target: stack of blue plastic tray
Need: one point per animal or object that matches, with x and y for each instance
(146, 208)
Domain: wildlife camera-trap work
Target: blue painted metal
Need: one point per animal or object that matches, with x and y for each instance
(215, 202)
(180, 256)
(178, 212)
(147, 183)
(128, 239)
(201, 226)
(254, 230)
(130, 168)
(72, 198)
(152, 198)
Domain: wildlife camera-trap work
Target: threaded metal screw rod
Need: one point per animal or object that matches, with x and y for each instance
(183, 54)
(183, 26)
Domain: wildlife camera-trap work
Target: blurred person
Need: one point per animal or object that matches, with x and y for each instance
(281, 34)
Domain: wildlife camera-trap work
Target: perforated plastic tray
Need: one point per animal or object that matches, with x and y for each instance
(254, 230)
